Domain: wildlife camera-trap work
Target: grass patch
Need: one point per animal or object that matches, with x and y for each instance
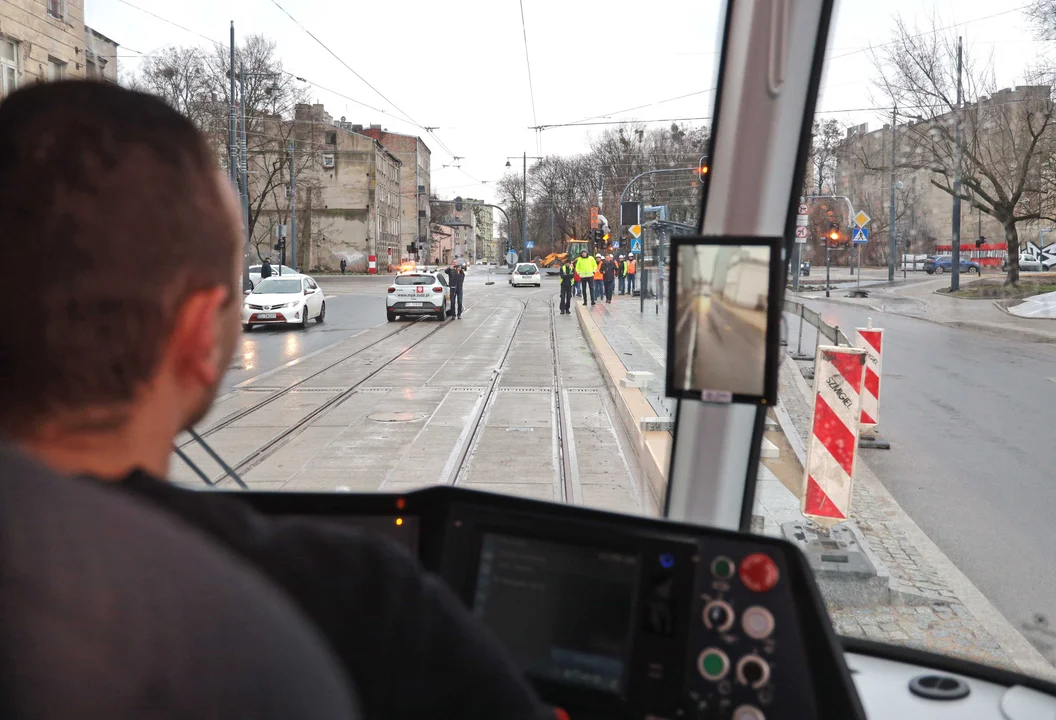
(995, 288)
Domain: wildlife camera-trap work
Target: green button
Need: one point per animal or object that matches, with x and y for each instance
(722, 568)
(714, 664)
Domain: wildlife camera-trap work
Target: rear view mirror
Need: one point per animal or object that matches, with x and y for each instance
(724, 319)
(307, 291)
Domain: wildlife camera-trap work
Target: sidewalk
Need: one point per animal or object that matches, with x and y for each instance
(916, 297)
(934, 606)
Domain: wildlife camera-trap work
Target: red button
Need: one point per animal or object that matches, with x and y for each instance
(758, 572)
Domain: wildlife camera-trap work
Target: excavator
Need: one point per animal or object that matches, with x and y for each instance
(554, 259)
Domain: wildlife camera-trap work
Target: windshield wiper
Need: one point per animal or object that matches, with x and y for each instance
(228, 470)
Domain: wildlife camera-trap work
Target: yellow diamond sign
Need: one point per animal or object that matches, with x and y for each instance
(861, 219)
(635, 230)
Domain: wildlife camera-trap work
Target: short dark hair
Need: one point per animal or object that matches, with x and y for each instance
(112, 217)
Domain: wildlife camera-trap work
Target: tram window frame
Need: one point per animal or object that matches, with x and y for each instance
(771, 342)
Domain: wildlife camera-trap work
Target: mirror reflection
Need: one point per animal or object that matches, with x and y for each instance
(720, 320)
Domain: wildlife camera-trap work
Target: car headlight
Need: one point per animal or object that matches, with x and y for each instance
(295, 303)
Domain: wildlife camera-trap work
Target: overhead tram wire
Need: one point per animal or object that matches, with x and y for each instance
(528, 63)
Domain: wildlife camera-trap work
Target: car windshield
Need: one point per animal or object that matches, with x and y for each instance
(274, 285)
(933, 137)
(415, 280)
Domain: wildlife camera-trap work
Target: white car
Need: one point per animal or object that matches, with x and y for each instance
(526, 274)
(254, 272)
(287, 300)
(418, 294)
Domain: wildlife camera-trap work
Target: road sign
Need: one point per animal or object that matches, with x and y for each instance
(616, 244)
(802, 221)
(861, 219)
(801, 234)
(635, 230)
(630, 213)
(511, 257)
(594, 217)
(803, 209)
(833, 443)
(529, 244)
(636, 245)
(860, 236)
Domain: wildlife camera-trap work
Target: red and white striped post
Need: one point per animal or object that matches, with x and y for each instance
(833, 445)
(372, 264)
(871, 340)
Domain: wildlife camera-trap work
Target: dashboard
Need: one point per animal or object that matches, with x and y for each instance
(614, 616)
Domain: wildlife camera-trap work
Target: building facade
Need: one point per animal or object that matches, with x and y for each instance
(414, 186)
(347, 196)
(42, 40)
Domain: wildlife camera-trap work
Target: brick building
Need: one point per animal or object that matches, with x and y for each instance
(44, 40)
(414, 186)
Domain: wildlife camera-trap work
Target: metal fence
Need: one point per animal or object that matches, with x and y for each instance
(807, 316)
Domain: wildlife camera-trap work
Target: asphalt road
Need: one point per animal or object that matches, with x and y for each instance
(971, 419)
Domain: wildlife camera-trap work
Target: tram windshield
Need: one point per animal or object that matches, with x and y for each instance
(918, 488)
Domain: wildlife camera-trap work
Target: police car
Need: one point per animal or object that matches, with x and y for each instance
(418, 293)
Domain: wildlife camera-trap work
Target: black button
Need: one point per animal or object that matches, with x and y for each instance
(718, 615)
(753, 672)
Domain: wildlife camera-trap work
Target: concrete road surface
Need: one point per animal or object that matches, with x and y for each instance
(971, 418)
(725, 352)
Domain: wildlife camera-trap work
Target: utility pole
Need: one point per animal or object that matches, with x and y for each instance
(244, 165)
(293, 209)
(232, 153)
(955, 275)
(891, 217)
(524, 207)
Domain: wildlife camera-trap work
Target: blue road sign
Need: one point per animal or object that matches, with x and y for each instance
(616, 244)
(636, 245)
(529, 244)
(860, 236)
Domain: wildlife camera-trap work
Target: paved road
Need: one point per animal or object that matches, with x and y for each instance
(971, 419)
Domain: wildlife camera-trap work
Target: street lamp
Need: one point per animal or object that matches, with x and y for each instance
(524, 198)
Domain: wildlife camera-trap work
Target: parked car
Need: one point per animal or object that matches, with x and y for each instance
(418, 294)
(944, 263)
(526, 274)
(254, 272)
(292, 299)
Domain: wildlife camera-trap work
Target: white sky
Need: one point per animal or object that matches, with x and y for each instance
(460, 64)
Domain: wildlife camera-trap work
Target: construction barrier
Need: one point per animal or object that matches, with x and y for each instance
(372, 264)
(832, 448)
(871, 340)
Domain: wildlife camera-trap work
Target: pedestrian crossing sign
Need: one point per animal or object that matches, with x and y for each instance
(860, 236)
(636, 245)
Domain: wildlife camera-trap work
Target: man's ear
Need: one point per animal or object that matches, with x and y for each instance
(195, 344)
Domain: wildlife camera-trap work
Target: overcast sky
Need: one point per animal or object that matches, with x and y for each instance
(460, 65)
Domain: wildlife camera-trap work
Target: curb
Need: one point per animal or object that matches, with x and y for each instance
(1024, 655)
(653, 447)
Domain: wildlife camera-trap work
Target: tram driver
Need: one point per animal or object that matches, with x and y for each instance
(128, 245)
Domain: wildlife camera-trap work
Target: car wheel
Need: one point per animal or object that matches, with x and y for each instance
(322, 313)
(390, 315)
(940, 269)
(443, 311)
(304, 318)
(246, 328)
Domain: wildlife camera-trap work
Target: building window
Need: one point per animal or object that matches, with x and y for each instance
(8, 66)
(91, 69)
(56, 69)
(57, 8)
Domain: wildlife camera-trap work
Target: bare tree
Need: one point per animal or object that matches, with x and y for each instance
(825, 142)
(1042, 15)
(1007, 138)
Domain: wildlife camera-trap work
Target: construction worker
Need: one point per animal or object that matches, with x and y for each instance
(599, 279)
(632, 268)
(621, 274)
(609, 271)
(567, 275)
(585, 267)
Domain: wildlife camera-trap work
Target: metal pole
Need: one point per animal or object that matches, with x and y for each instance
(799, 344)
(827, 265)
(891, 219)
(524, 208)
(232, 152)
(293, 210)
(955, 275)
(795, 267)
(244, 165)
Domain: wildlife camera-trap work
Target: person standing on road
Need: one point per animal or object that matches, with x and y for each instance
(344, 264)
(456, 277)
(632, 268)
(599, 279)
(608, 271)
(567, 275)
(585, 267)
(265, 269)
(621, 273)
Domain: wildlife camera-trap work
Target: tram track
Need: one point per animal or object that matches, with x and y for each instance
(276, 442)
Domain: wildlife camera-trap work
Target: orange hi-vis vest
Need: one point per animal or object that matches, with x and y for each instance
(631, 267)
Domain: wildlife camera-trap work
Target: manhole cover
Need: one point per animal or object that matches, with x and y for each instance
(395, 417)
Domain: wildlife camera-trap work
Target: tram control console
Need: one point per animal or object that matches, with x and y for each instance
(614, 616)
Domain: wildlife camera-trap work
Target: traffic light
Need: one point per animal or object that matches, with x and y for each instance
(834, 233)
(605, 237)
(703, 168)
(458, 204)
(410, 249)
(980, 240)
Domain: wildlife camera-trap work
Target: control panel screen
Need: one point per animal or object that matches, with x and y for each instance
(564, 611)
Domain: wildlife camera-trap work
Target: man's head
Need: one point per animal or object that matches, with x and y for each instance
(583, 253)
(129, 247)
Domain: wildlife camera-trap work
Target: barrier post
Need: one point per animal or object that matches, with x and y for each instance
(871, 340)
(798, 354)
(372, 264)
(832, 446)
